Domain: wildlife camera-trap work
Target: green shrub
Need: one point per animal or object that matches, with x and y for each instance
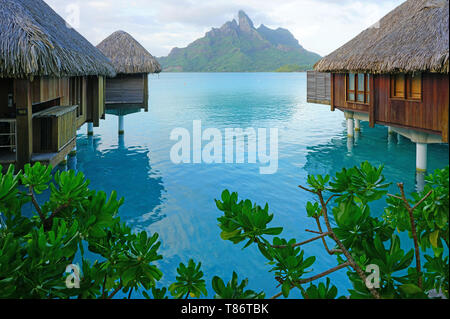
(366, 246)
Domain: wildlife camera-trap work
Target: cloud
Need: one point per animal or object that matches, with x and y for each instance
(319, 25)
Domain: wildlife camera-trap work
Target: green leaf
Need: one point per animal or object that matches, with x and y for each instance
(265, 252)
(434, 238)
(228, 235)
(410, 289)
(286, 289)
(218, 285)
(273, 231)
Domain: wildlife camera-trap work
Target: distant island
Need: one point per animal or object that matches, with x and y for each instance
(294, 68)
(240, 47)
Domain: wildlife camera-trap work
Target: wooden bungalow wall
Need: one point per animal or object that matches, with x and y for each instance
(6, 88)
(31, 96)
(430, 114)
(339, 92)
(126, 89)
(318, 87)
(95, 99)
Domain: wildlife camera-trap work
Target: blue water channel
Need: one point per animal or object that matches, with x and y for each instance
(177, 200)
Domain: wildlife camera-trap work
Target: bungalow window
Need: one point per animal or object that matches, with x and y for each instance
(398, 86)
(358, 88)
(415, 86)
(406, 86)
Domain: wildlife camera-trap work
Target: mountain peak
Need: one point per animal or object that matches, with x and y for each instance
(245, 24)
(237, 46)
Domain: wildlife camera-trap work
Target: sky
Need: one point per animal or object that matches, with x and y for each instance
(320, 26)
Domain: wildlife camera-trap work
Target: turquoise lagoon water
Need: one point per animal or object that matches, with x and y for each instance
(177, 201)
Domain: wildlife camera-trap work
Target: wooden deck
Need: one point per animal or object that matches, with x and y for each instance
(7, 158)
(54, 159)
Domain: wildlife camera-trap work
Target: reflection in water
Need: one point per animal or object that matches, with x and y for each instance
(349, 145)
(72, 163)
(125, 170)
(121, 141)
(420, 181)
(121, 112)
(390, 141)
(379, 149)
(357, 137)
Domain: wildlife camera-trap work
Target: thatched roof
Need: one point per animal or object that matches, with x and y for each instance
(127, 55)
(35, 41)
(413, 37)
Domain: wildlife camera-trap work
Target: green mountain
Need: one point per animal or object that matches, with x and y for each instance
(239, 47)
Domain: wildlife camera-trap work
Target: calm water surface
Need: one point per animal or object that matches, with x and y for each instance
(177, 201)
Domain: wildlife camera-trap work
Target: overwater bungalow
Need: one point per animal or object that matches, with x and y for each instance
(51, 83)
(394, 73)
(132, 63)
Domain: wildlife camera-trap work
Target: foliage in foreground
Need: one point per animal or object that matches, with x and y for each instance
(368, 247)
(76, 223)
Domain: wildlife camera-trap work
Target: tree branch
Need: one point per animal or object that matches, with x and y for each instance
(307, 189)
(330, 252)
(422, 200)
(323, 274)
(318, 276)
(115, 291)
(342, 247)
(36, 205)
(49, 221)
(332, 196)
(413, 228)
(313, 231)
(301, 243)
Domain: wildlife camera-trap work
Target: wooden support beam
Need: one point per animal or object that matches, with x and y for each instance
(24, 124)
(83, 103)
(444, 123)
(103, 96)
(145, 92)
(332, 92)
(372, 101)
(95, 101)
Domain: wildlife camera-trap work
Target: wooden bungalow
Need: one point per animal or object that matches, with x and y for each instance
(51, 83)
(394, 73)
(132, 63)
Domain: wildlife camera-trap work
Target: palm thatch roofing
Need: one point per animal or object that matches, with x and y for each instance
(36, 41)
(127, 55)
(412, 38)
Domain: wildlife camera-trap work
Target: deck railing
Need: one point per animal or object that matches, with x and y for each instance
(8, 134)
